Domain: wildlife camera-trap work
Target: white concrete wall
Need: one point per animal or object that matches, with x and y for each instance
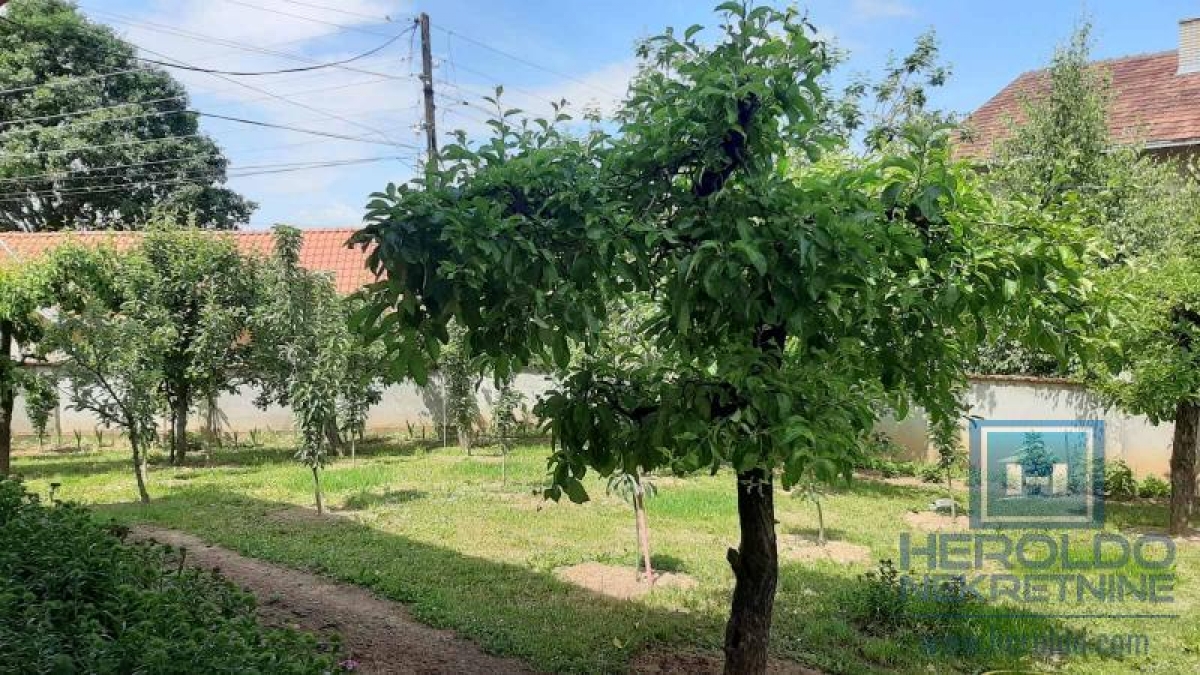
(401, 404)
(1144, 446)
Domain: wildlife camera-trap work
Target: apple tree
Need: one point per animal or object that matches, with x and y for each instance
(789, 295)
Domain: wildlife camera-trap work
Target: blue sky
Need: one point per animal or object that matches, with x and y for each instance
(584, 50)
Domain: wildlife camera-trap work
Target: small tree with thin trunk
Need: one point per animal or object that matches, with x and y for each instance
(787, 290)
(302, 349)
(634, 489)
(112, 344)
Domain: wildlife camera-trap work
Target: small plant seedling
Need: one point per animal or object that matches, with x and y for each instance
(634, 489)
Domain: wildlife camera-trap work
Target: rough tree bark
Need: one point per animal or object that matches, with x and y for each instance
(7, 395)
(643, 529)
(755, 566)
(1183, 465)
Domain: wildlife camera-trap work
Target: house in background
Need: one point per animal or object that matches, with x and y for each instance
(1155, 102)
(323, 250)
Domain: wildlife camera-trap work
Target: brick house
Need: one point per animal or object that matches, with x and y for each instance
(1155, 102)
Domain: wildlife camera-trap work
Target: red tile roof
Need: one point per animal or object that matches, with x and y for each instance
(1150, 104)
(324, 250)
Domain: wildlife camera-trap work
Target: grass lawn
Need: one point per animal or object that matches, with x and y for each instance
(437, 530)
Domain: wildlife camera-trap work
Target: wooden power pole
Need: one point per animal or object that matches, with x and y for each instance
(427, 79)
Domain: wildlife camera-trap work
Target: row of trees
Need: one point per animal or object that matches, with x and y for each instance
(178, 319)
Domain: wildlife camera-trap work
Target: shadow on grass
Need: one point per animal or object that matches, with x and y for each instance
(514, 610)
(367, 499)
(869, 487)
(47, 466)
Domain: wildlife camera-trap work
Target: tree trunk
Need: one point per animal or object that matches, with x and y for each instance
(755, 566)
(1183, 465)
(333, 438)
(317, 490)
(179, 419)
(353, 444)
(820, 521)
(139, 468)
(7, 395)
(643, 529)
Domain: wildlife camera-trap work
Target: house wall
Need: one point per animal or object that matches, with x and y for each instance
(1132, 438)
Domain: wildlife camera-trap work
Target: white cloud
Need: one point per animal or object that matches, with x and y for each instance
(335, 214)
(881, 9)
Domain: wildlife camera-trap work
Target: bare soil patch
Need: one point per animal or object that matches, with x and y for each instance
(379, 634)
(805, 548)
(619, 581)
(662, 662)
(928, 521)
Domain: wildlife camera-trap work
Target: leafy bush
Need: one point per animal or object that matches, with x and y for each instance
(1153, 487)
(889, 603)
(931, 473)
(1119, 482)
(75, 599)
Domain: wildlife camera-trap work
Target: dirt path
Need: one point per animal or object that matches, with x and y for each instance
(379, 634)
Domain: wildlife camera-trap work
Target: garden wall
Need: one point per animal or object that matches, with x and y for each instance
(401, 405)
(1144, 446)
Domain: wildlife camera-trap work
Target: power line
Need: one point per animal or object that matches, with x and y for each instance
(381, 19)
(211, 175)
(236, 82)
(305, 18)
(81, 174)
(281, 71)
(74, 113)
(224, 42)
(525, 61)
(287, 127)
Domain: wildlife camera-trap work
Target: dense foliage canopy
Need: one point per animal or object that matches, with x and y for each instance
(92, 138)
(789, 294)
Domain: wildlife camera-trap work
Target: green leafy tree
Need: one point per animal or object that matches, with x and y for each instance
(460, 377)
(1145, 209)
(41, 400)
(23, 296)
(91, 137)
(509, 400)
(302, 349)
(1160, 377)
(361, 381)
(786, 295)
(113, 343)
(205, 287)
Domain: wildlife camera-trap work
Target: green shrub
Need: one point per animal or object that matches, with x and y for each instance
(888, 603)
(931, 473)
(1119, 482)
(75, 599)
(1153, 487)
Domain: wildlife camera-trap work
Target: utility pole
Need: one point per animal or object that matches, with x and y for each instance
(427, 79)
